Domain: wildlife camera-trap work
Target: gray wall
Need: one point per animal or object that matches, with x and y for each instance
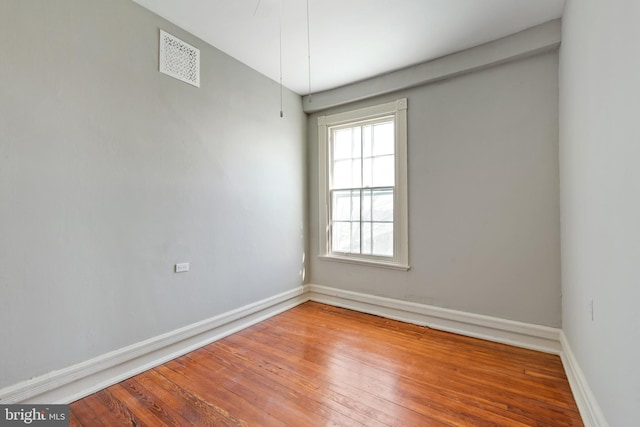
(483, 196)
(600, 199)
(111, 172)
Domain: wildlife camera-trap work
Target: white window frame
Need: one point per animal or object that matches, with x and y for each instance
(398, 110)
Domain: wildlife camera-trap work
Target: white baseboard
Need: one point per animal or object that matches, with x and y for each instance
(74, 382)
(534, 337)
(590, 411)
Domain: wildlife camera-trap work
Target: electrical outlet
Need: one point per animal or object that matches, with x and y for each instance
(591, 309)
(182, 267)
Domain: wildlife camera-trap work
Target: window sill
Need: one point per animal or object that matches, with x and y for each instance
(367, 262)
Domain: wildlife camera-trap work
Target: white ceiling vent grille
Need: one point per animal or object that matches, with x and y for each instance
(179, 59)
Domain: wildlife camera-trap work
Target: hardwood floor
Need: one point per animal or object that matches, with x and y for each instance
(318, 365)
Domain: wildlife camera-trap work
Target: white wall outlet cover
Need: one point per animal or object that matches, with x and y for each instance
(182, 267)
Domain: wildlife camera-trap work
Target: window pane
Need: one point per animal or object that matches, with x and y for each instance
(367, 240)
(341, 237)
(382, 205)
(367, 172)
(367, 142)
(356, 145)
(342, 144)
(382, 239)
(345, 205)
(341, 206)
(356, 174)
(355, 237)
(355, 205)
(342, 174)
(345, 237)
(383, 171)
(383, 139)
(366, 205)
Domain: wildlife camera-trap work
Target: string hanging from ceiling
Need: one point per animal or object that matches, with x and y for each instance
(309, 52)
(280, 50)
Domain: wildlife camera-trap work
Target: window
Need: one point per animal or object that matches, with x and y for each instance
(363, 185)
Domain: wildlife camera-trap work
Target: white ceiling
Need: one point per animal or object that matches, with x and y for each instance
(350, 40)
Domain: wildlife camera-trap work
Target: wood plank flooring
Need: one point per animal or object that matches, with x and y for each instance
(318, 365)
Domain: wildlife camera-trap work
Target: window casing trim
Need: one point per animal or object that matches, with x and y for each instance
(398, 110)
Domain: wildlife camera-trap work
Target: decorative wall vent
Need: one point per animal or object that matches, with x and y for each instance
(179, 59)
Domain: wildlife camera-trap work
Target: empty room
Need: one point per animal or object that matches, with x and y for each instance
(319, 212)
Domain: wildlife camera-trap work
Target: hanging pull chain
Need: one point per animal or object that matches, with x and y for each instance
(309, 51)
